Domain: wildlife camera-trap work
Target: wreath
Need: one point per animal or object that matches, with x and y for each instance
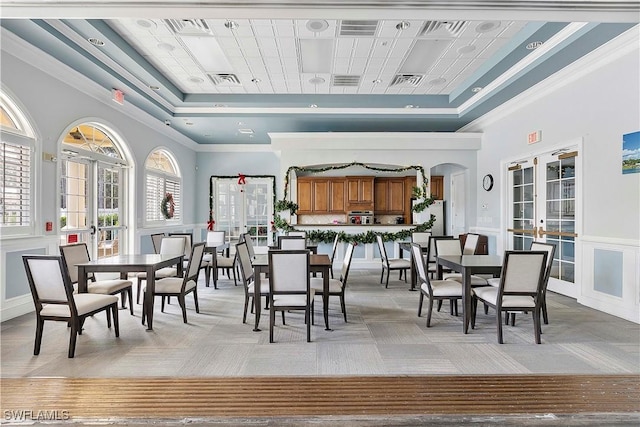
(167, 206)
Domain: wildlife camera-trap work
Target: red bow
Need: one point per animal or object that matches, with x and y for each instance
(210, 224)
(241, 179)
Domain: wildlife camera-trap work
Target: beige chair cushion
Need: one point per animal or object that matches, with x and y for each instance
(399, 263)
(475, 280)
(107, 286)
(443, 288)
(85, 303)
(224, 262)
(162, 273)
(490, 294)
(290, 300)
(172, 285)
(317, 283)
(494, 281)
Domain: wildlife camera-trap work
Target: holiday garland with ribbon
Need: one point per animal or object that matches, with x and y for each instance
(327, 236)
(167, 206)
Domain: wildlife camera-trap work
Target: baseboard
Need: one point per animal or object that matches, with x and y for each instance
(627, 313)
(16, 307)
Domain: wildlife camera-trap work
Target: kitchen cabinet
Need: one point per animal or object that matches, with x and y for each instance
(359, 193)
(321, 195)
(390, 196)
(437, 187)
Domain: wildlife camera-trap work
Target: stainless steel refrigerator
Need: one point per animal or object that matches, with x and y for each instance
(439, 226)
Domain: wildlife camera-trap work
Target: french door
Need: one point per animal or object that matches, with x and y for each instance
(544, 206)
(91, 205)
(241, 208)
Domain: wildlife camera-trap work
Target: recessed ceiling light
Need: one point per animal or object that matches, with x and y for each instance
(317, 25)
(466, 49)
(256, 80)
(147, 24)
(245, 131)
(219, 105)
(403, 25)
(189, 123)
(196, 79)
(232, 25)
(486, 26)
(166, 46)
(154, 87)
(96, 42)
(313, 106)
(409, 106)
(316, 80)
(438, 81)
(376, 81)
(534, 45)
(240, 123)
(476, 89)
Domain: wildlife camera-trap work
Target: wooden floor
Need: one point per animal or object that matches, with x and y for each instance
(178, 398)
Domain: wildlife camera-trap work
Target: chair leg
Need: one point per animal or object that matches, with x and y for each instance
(536, 324)
(306, 315)
(382, 275)
(39, 330)
(116, 323)
(138, 293)
(207, 276)
(130, 296)
(454, 303)
(235, 279)
(450, 307)
(429, 311)
(195, 299)
(246, 306)
(282, 317)
(272, 319)
(388, 274)
(420, 304)
(474, 309)
(75, 325)
(486, 309)
(439, 305)
(499, 321)
(162, 304)
(313, 313)
(183, 306)
(545, 317)
(513, 319)
(343, 306)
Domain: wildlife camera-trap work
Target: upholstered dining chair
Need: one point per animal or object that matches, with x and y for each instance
(180, 287)
(289, 285)
(226, 263)
(400, 264)
(430, 257)
(337, 287)
(248, 279)
(156, 240)
(78, 253)
(187, 253)
(246, 237)
(54, 299)
(520, 289)
(452, 247)
(421, 237)
(169, 246)
(435, 290)
(470, 244)
(292, 242)
(297, 234)
(334, 249)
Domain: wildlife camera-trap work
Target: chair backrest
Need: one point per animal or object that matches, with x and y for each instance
(297, 233)
(334, 249)
(431, 250)
(522, 272)
(173, 245)
(188, 242)
(246, 269)
(470, 244)
(289, 272)
(195, 261)
(156, 240)
(73, 254)
(421, 237)
(247, 238)
(215, 238)
(49, 281)
(448, 247)
(382, 249)
(551, 250)
(346, 264)
(416, 252)
(292, 242)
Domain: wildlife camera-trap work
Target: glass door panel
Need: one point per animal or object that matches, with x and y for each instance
(75, 206)
(257, 214)
(110, 225)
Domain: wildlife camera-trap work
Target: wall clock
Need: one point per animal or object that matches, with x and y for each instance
(487, 182)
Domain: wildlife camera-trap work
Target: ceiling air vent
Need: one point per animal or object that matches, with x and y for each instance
(358, 28)
(188, 27)
(225, 79)
(345, 81)
(407, 79)
(452, 28)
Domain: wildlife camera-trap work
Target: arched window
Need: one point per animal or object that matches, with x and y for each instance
(162, 187)
(16, 170)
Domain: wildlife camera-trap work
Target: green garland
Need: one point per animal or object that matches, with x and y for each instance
(327, 236)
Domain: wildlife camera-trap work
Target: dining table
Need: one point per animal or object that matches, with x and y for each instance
(133, 263)
(213, 249)
(317, 264)
(468, 265)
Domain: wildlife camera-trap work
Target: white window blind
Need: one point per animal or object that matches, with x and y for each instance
(15, 184)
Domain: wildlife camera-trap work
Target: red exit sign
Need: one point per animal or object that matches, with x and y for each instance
(534, 137)
(118, 96)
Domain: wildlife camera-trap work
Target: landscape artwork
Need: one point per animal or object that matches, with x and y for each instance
(631, 153)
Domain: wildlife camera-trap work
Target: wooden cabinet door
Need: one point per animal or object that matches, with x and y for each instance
(366, 190)
(396, 199)
(305, 204)
(437, 187)
(380, 196)
(320, 196)
(353, 190)
(338, 195)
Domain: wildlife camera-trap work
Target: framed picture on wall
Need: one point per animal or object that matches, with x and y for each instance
(631, 153)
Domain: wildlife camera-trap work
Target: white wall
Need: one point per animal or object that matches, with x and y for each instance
(596, 100)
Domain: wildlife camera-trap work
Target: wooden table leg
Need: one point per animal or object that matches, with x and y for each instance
(148, 296)
(466, 299)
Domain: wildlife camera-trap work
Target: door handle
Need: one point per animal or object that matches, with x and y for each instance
(93, 230)
(541, 231)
